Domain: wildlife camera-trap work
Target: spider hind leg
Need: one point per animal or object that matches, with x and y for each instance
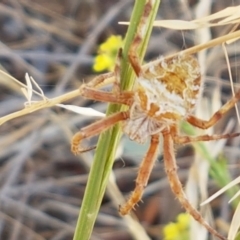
(203, 124)
(176, 186)
(143, 175)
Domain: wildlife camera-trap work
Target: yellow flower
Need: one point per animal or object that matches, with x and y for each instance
(178, 230)
(102, 62)
(105, 60)
(170, 231)
(183, 220)
(112, 44)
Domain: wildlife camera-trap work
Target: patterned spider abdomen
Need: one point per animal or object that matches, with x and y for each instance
(166, 92)
(170, 89)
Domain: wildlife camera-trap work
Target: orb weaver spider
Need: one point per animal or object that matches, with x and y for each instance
(165, 93)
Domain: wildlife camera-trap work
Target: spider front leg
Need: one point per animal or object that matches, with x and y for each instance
(143, 176)
(203, 124)
(125, 97)
(95, 129)
(138, 38)
(175, 184)
(89, 91)
(107, 78)
(100, 81)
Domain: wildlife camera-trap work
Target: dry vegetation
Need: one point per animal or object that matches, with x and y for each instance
(42, 182)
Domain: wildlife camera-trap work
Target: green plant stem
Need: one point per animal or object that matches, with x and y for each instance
(108, 141)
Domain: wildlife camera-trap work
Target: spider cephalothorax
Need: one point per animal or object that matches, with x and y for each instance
(165, 93)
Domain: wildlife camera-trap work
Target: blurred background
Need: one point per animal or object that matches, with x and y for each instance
(41, 182)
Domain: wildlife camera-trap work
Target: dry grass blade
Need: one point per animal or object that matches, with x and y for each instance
(235, 223)
(229, 15)
(231, 79)
(40, 105)
(222, 190)
(82, 110)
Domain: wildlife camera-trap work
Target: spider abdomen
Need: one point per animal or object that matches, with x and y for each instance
(170, 87)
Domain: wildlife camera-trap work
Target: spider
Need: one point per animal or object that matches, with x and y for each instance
(166, 92)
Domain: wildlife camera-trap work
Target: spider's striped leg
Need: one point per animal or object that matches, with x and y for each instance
(117, 72)
(183, 139)
(138, 38)
(100, 81)
(107, 78)
(95, 129)
(116, 96)
(125, 97)
(188, 139)
(203, 124)
(175, 184)
(143, 176)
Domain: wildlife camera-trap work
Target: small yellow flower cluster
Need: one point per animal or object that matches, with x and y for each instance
(178, 230)
(107, 52)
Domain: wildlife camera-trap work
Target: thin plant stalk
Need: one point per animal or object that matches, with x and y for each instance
(108, 141)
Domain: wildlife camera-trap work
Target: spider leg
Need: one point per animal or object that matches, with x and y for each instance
(90, 90)
(125, 97)
(176, 186)
(203, 124)
(141, 31)
(100, 81)
(143, 176)
(94, 129)
(107, 78)
(117, 72)
(188, 139)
